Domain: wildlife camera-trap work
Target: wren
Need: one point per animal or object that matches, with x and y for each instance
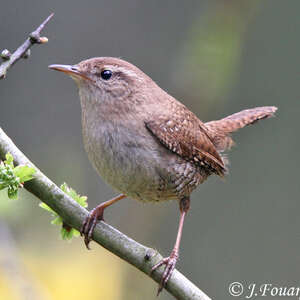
(145, 143)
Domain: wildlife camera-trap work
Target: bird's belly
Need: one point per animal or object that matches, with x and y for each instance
(134, 179)
(136, 169)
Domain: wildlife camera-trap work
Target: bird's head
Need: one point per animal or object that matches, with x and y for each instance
(108, 79)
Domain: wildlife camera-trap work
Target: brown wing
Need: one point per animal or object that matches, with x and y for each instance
(186, 136)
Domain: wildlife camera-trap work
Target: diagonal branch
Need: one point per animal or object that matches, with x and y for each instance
(34, 38)
(141, 257)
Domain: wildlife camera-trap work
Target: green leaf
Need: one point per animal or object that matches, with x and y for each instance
(25, 173)
(57, 221)
(46, 207)
(12, 193)
(12, 177)
(76, 233)
(66, 232)
(82, 200)
(9, 160)
(69, 234)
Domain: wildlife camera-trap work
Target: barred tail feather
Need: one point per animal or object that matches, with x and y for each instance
(220, 130)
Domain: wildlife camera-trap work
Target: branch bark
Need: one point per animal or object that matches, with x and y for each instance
(143, 258)
(34, 38)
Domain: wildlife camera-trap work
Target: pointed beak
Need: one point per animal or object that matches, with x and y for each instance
(70, 70)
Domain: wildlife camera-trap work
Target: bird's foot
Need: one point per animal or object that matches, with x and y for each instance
(90, 223)
(169, 263)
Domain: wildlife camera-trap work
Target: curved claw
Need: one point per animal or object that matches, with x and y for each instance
(170, 263)
(95, 215)
(90, 223)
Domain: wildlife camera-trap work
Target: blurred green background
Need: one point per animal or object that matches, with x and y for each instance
(217, 57)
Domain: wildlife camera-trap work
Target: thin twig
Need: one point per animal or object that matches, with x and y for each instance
(34, 38)
(141, 257)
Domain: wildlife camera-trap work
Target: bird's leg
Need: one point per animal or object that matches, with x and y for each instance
(170, 261)
(95, 215)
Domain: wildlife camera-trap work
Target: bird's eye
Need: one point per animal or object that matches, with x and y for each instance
(106, 74)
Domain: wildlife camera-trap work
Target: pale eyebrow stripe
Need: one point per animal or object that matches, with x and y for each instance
(126, 71)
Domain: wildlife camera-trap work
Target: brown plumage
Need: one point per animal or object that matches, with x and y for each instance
(220, 130)
(185, 135)
(145, 143)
